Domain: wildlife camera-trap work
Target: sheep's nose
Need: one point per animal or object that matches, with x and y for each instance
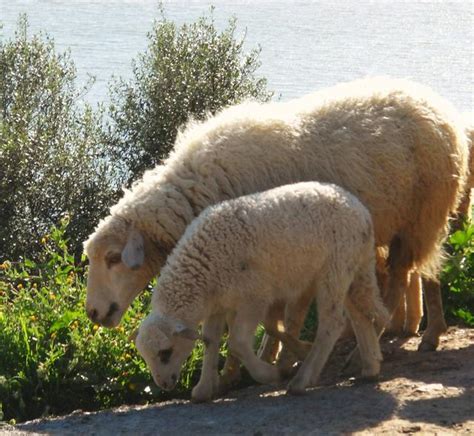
(174, 378)
(164, 385)
(92, 314)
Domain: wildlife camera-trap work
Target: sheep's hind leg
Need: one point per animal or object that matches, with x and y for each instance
(241, 337)
(331, 323)
(414, 297)
(436, 322)
(208, 383)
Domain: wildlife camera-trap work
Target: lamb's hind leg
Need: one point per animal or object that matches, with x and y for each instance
(331, 323)
(400, 263)
(208, 383)
(241, 337)
(366, 311)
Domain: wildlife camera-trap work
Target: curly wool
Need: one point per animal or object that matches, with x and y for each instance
(394, 144)
(267, 246)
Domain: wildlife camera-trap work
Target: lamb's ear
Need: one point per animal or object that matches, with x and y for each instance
(185, 332)
(133, 254)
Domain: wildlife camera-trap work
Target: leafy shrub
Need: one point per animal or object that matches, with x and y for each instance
(51, 155)
(52, 358)
(187, 71)
(457, 278)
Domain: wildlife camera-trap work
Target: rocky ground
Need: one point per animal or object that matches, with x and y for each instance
(424, 393)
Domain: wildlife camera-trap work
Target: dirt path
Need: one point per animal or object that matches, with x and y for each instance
(425, 393)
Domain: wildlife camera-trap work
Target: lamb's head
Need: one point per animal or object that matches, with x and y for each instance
(164, 344)
(122, 260)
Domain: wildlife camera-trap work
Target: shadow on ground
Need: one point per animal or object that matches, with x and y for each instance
(430, 392)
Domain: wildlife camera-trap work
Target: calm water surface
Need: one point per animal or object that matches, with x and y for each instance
(305, 45)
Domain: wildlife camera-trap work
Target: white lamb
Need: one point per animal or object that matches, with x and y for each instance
(240, 256)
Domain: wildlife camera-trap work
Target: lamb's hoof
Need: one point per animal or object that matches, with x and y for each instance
(287, 372)
(202, 395)
(426, 346)
(295, 388)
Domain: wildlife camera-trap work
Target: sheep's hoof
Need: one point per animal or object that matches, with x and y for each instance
(426, 346)
(353, 364)
(410, 334)
(366, 379)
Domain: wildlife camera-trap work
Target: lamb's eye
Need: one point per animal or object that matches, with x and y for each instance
(112, 259)
(165, 355)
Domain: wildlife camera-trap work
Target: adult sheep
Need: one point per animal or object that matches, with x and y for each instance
(394, 144)
(240, 256)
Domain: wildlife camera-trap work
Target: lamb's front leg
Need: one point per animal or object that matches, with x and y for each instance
(207, 387)
(241, 337)
(331, 323)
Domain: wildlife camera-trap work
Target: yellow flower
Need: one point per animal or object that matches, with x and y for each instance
(35, 285)
(5, 265)
(70, 278)
(34, 318)
(127, 356)
(52, 296)
(96, 327)
(121, 329)
(44, 239)
(53, 335)
(19, 286)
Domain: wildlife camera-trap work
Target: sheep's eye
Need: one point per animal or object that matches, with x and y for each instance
(112, 259)
(165, 355)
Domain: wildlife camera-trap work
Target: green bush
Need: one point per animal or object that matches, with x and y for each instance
(457, 278)
(52, 156)
(52, 358)
(187, 71)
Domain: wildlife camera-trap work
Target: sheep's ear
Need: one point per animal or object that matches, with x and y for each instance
(185, 332)
(133, 336)
(133, 254)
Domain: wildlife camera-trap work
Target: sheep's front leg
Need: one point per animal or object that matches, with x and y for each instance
(241, 337)
(208, 383)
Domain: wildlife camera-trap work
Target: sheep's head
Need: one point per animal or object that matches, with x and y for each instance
(164, 344)
(121, 263)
